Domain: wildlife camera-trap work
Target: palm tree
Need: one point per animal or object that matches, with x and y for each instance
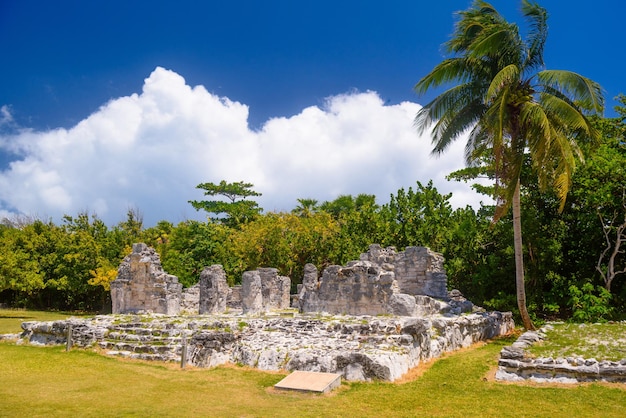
(512, 107)
(306, 207)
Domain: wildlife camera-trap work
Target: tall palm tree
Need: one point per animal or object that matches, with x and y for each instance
(512, 108)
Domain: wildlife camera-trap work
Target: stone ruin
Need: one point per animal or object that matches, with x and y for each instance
(407, 283)
(143, 286)
(394, 312)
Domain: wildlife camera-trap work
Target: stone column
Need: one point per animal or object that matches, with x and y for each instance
(213, 290)
(251, 292)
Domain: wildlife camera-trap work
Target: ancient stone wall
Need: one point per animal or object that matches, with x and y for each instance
(382, 282)
(190, 300)
(143, 286)
(418, 270)
(263, 290)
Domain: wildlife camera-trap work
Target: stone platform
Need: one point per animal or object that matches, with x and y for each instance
(357, 347)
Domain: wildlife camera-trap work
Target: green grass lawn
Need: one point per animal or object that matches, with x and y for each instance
(11, 319)
(47, 381)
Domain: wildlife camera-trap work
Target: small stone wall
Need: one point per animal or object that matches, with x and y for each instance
(516, 364)
(360, 348)
(143, 286)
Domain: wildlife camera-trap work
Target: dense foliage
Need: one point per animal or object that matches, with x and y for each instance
(570, 256)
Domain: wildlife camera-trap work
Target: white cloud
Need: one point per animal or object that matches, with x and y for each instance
(150, 150)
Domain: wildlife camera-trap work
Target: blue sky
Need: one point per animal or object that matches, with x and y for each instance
(68, 65)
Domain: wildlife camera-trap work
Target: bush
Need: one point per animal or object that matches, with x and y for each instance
(587, 306)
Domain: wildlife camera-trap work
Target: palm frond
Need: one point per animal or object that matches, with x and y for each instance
(456, 125)
(450, 70)
(587, 94)
(537, 17)
(505, 77)
(569, 116)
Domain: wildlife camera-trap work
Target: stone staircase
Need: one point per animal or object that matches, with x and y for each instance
(145, 341)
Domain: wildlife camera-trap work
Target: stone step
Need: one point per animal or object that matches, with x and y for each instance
(144, 356)
(140, 348)
(118, 336)
(146, 330)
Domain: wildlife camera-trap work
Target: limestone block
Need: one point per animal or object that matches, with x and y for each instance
(214, 290)
(234, 297)
(251, 293)
(190, 299)
(275, 289)
(402, 304)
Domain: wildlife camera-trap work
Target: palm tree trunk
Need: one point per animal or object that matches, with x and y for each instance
(519, 259)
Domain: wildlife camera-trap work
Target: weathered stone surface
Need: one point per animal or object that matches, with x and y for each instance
(143, 286)
(234, 298)
(359, 348)
(402, 304)
(418, 270)
(383, 282)
(190, 300)
(251, 293)
(275, 289)
(308, 299)
(214, 291)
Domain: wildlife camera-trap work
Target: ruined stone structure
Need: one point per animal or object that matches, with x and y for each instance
(214, 290)
(417, 270)
(410, 285)
(263, 290)
(382, 282)
(359, 348)
(190, 299)
(143, 286)
(517, 364)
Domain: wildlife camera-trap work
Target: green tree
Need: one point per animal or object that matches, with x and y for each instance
(418, 217)
(512, 108)
(598, 201)
(237, 210)
(306, 207)
(193, 245)
(285, 241)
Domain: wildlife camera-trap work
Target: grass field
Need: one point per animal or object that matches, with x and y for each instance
(11, 319)
(47, 381)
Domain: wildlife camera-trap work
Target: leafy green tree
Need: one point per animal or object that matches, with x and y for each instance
(597, 207)
(20, 273)
(511, 108)
(286, 242)
(193, 245)
(360, 224)
(418, 217)
(237, 210)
